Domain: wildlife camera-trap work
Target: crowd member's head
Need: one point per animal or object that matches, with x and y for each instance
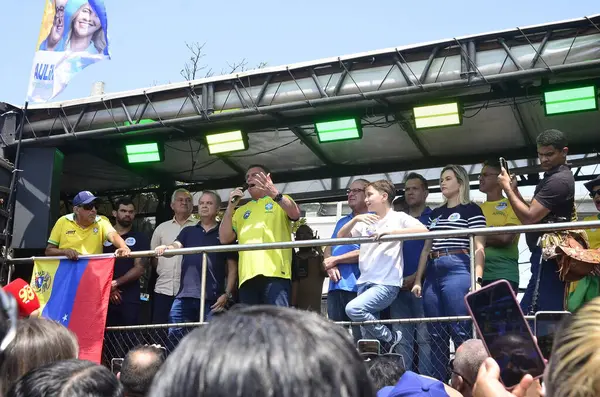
(488, 178)
(454, 183)
(552, 149)
(380, 196)
(85, 209)
(467, 361)
(385, 370)
(573, 366)
(208, 205)
(73, 378)
(265, 351)
(138, 370)
(124, 212)
(181, 203)
(593, 187)
(38, 342)
(416, 190)
(356, 196)
(400, 205)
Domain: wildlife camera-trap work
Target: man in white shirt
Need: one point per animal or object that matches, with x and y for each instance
(169, 269)
(381, 264)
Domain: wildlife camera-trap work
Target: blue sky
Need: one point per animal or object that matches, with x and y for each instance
(148, 37)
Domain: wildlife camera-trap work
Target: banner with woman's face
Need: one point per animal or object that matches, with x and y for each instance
(73, 36)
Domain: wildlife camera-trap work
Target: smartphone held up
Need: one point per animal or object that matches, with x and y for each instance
(505, 333)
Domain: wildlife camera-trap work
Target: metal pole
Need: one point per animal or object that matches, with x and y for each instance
(11, 269)
(473, 274)
(203, 285)
(488, 231)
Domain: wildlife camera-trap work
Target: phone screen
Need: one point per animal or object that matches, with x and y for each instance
(505, 332)
(369, 346)
(546, 325)
(115, 365)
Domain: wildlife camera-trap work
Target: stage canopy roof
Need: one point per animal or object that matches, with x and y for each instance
(498, 79)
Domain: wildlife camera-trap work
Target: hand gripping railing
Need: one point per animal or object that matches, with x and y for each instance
(471, 233)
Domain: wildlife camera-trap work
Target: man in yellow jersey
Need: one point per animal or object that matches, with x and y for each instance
(264, 276)
(588, 288)
(502, 250)
(83, 232)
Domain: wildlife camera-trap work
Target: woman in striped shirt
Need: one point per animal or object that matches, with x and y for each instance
(446, 266)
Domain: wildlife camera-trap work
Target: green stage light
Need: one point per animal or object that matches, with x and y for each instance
(226, 142)
(445, 114)
(338, 130)
(143, 153)
(571, 100)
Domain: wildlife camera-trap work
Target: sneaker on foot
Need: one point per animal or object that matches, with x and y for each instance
(396, 338)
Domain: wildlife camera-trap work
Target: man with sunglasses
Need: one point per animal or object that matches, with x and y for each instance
(466, 363)
(83, 232)
(588, 288)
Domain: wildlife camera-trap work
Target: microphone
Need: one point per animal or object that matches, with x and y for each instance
(27, 300)
(245, 187)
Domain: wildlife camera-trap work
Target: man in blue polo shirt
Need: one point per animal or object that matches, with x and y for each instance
(341, 261)
(406, 305)
(222, 267)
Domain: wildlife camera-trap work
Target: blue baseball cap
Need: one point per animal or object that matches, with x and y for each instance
(83, 198)
(414, 385)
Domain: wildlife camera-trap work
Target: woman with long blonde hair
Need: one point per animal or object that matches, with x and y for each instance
(445, 263)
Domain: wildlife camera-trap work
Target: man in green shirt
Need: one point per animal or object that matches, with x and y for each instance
(501, 251)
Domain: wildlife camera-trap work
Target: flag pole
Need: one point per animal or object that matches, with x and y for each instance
(13, 187)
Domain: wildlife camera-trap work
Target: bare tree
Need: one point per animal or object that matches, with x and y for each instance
(193, 66)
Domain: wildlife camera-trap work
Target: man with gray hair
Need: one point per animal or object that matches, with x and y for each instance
(465, 365)
(169, 269)
(221, 266)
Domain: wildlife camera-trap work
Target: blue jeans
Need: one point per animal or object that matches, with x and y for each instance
(337, 300)
(447, 281)
(407, 305)
(261, 290)
(551, 292)
(186, 310)
(371, 299)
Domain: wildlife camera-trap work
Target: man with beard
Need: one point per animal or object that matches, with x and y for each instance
(54, 41)
(124, 307)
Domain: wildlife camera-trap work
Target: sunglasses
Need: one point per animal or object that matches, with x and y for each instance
(594, 193)
(88, 207)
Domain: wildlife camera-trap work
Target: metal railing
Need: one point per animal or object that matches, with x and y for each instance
(471, 233)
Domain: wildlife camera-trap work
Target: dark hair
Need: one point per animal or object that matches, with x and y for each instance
(73, 378)
(385, 371)
(265, 351)
(554, 138)
(123, 201)
(493, 163)
(264, 168)
(38, 342)
(138, 369)
(415, 175)
(385, 186)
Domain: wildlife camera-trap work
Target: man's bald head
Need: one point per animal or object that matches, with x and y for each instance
(467, 361)
(138, 370)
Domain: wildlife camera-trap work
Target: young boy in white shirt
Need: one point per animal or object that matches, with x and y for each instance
(380, 264)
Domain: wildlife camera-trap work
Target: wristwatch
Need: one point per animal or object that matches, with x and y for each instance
(479, 280)
(229, 295)
(278, 198)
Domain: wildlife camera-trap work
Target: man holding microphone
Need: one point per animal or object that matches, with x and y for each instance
(264, 276)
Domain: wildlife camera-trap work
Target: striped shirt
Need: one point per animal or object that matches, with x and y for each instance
(464, 216)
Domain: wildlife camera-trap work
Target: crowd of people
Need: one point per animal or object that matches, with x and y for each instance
(281, 352)
(384, 279)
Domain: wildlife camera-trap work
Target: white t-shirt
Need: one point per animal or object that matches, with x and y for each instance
(381, 263)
